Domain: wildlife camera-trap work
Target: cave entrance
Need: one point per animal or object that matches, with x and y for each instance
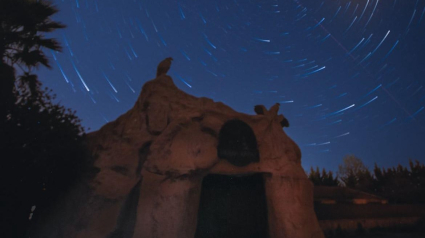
(234, 206)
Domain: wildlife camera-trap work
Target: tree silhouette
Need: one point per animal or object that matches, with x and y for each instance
(397, 184)
(352, 171)
(22, 40)
(322, 179)
(401, 184)
(41, 142)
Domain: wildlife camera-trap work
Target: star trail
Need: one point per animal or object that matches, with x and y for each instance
(349, 75)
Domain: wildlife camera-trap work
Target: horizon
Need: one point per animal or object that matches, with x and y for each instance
(348, 75)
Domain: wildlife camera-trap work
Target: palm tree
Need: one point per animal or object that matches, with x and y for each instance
(41, 140)
(23, 24)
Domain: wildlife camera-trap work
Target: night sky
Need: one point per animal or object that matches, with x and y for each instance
(349, 75)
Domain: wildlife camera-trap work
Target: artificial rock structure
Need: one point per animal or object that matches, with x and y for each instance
(152, 161)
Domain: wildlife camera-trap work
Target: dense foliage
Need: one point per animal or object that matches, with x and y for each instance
(353, 172)
(398, 184)
(322, 179)
(42, 157)
(23, 26)
(41, 142)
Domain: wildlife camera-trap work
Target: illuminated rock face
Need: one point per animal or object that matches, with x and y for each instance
(152, 161)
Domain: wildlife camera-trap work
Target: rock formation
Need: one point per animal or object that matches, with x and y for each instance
(151, 162)
(164, 66)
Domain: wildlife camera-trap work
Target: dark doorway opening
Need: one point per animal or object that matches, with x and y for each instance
(237, 143)
(232, 207)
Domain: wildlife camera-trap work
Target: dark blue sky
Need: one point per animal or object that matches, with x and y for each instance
(349, 74)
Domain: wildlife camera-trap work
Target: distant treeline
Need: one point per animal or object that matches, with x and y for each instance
(397, 184)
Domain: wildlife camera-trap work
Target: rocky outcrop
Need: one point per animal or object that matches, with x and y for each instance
(152, 160)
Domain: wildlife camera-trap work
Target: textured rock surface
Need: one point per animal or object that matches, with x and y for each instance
(151, 162)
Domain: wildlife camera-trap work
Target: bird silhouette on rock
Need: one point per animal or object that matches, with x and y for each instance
(164, 66)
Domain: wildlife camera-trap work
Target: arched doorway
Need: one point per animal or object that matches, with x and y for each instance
(237, 143)
(234, 206)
